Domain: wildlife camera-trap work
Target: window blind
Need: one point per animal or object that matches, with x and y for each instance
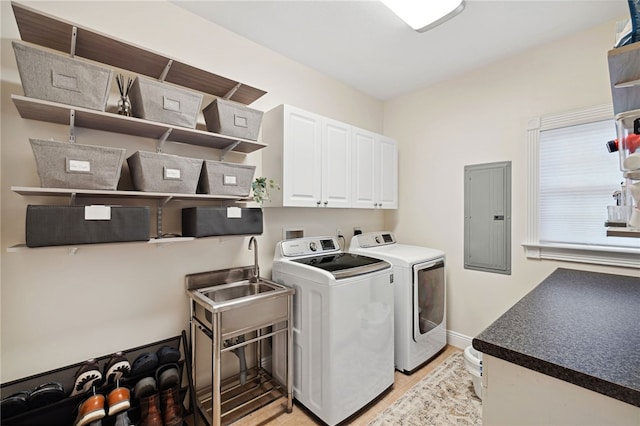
(577, 179)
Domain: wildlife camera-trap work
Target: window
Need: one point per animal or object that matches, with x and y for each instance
(572, 178)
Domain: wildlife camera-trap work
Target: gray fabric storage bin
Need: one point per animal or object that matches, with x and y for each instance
(157, 101)
(58, 78)
(232, 119)
(71, 165)
(67, 225)
(218, 221)
(154, 172)
(219, 178)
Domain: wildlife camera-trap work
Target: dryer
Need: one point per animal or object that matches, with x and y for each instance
(420, 296)
(342, 325)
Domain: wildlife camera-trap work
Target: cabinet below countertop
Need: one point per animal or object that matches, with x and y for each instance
(576, 326)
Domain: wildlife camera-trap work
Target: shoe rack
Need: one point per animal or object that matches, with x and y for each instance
(64, 412)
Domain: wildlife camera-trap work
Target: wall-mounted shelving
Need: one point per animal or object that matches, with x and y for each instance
(164, 196)
(48, 31)
(52, 112)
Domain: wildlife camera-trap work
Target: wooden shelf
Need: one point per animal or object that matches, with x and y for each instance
(52, 112)
(74, 248)
(623, 232)
(49, 31)
(166, 196)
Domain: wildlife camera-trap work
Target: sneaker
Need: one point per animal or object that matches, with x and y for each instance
(86, 377)
(116, 368)
(91, 410)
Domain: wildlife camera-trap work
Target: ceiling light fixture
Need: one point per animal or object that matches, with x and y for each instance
(422, 15)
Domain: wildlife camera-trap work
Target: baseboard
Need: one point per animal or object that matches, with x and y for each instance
(458, 340)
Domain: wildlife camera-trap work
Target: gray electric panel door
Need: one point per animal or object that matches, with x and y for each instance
(487, 217)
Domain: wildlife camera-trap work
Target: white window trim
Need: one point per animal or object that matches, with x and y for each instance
(600, 255)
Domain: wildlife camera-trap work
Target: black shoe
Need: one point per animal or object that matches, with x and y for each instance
(14, 405)
(145, 363)
(87, 376)
(116, 368)
(168, 355)
(46, 394)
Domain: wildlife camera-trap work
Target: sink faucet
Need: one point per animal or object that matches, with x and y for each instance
(256, 268)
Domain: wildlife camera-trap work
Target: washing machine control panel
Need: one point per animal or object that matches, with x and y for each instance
(308, 246)
(373, 239)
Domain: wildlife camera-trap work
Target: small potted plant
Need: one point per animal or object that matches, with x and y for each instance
(261, 187)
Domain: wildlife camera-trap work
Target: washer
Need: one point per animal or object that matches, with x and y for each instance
(342, 325)
(420, 296)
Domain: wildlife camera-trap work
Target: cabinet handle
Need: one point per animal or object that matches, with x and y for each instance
(318, 203)
(325, 203)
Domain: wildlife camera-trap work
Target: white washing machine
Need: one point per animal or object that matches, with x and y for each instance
(342, 325)
(420, 296)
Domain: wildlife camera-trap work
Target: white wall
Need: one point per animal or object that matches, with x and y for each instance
(59, 309)
(481, 117)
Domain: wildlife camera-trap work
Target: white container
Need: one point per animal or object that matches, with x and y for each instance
(473, 364)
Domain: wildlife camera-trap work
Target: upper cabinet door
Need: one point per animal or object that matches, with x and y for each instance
(364, 169)
(375, 176)
(336, 164)
(388, 175)
(302, 169)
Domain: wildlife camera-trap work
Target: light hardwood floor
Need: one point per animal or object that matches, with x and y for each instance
(275, 414)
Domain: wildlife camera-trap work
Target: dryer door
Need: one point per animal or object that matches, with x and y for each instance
(428, 297)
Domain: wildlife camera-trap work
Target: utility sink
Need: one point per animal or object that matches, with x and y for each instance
(228, 299)
(238, 290)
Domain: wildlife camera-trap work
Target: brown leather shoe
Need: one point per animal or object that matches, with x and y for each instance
(118, 400)
(171, 407)
(90, 410)
(150, 411)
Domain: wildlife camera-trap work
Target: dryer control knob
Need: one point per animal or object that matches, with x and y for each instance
(313, 246)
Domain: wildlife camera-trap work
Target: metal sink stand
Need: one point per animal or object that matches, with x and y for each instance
(268, 316)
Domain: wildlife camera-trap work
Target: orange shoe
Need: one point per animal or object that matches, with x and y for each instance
(118, 400)
(90, 410)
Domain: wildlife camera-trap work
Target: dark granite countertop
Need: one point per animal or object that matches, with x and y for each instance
(580, 327)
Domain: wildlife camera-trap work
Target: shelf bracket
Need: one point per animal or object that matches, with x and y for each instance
(162, 140)
(227, 149)
(74, 37)
(165, 71)
(231, 92)
(72, 126)
(161, 204)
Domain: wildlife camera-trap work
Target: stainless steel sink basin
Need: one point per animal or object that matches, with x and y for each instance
(228, 298)
(238, 290)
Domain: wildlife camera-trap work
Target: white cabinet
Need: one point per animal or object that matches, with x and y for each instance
(320, 162)
(375, 171)
(310, 156)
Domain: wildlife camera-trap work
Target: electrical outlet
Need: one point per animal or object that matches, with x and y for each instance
(339, 232)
